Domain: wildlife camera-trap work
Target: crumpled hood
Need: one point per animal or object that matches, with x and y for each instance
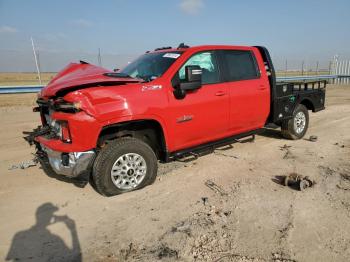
(81, 74)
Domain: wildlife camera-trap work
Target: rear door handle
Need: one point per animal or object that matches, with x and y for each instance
(220, 93)
(262, 87)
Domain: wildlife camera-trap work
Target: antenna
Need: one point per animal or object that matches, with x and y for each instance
(36, 61)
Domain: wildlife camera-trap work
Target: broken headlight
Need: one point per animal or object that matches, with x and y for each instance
(61, 130)
(64, 106)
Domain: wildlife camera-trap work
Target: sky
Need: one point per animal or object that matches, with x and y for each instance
(69, 30)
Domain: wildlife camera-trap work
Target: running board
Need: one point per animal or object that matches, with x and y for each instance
(192, 153)
(190, 156)
(245, 140)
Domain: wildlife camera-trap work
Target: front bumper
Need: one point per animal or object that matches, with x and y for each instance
(62, 162)
(73, 164)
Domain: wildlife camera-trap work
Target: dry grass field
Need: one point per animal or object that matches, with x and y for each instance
(16, 79)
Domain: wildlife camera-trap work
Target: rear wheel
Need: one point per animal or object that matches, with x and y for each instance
(124, 165)
(296, 127)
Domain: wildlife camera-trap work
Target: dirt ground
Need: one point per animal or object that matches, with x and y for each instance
(249, 216)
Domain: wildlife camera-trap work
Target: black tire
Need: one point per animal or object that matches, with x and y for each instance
(101, 172)
(289, 129)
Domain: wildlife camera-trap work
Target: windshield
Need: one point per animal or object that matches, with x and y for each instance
(150, 66)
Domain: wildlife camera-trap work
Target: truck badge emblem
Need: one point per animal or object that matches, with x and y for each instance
(151, 87)
(184, 118)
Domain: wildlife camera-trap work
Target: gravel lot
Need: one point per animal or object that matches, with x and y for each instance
(250, 216)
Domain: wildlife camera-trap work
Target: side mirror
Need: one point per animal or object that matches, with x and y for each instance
(116, 69)
(193, 78)
(193, 81)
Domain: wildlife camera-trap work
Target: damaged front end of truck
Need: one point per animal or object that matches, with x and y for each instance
(48, 140)
(65, 141)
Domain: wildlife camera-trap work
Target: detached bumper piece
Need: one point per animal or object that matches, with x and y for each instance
(73, 164)
(298, 181)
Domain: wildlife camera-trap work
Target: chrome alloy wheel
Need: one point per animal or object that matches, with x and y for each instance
(128, 171)
(299, 122)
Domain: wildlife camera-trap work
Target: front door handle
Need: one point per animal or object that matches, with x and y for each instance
(262, 87)
(220, 93)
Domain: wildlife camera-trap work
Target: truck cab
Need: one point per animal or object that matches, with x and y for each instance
(116, 126)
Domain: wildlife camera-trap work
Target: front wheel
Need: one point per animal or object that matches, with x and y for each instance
(296, 127)
(124, 165)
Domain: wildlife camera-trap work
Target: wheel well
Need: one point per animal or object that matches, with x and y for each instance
(308, 104)
(149, 131)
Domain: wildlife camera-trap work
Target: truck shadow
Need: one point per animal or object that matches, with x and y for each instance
(38, 244)
(271, 133)
(81, 183)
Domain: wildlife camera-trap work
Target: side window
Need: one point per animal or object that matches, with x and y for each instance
(241, 65)
(206, 60)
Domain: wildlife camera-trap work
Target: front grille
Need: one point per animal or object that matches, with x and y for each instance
(44, 109)
(48, 119)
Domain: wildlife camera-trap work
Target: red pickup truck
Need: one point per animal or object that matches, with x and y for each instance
(114, 126)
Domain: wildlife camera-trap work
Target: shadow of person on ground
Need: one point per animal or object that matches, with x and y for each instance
(39, 244)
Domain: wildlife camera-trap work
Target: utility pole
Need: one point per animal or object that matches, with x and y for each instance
(302, 68)
(317, 68)
(99, 57)
(286, 69)
(336, 68)
(36, 61)
(38, 57)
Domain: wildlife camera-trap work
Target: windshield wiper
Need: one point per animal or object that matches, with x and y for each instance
(147, 78)
(118, 75)
(124, 75)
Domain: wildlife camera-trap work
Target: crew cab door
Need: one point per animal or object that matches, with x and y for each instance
(248, 89)
(202, 115)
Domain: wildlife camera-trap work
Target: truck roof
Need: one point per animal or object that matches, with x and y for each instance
(199, 47)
